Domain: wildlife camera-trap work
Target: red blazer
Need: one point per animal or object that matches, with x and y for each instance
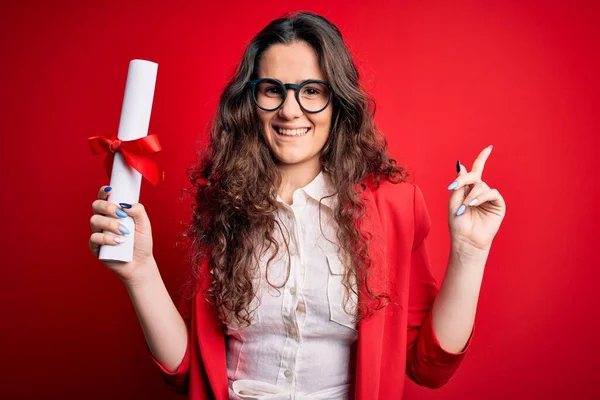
(396, 340)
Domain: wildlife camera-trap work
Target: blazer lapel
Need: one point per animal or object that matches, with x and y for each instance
(211, 341)
(370, 330)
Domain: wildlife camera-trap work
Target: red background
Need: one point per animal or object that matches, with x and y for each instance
(449, 77)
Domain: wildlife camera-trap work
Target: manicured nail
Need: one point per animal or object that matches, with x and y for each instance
(121, 214)
(124, 230)
(473, 202)
(458, 167)
(453, 185)
(125, 205)
(107, 189)
(119, 239)
(461, 209)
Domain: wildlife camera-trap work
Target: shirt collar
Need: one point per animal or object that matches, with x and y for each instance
(320, 187)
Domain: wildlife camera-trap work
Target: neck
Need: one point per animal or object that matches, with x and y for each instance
(294, 176)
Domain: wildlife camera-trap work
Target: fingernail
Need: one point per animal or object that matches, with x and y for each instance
(119, 239)
(107, 189)
(461, 209)
(121, 214)
(458, 167)
(125, 205)
(473, 202)
(453, 185)
(491, 147)
(124, 230)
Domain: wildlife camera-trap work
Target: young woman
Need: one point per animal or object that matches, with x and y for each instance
(310, 265)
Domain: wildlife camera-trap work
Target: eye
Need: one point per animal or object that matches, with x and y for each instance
(273, 90)
(269, 89)
(311, 91)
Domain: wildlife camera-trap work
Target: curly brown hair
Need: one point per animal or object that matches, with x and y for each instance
(235, 180)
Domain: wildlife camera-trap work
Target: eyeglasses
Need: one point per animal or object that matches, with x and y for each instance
(312, 95)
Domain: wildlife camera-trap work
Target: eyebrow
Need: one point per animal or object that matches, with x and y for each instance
(297, 81)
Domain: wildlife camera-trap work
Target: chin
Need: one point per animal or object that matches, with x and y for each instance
(290, 160)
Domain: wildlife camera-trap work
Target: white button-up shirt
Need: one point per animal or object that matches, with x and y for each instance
(299, 344)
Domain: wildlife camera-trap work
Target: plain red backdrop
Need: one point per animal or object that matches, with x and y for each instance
(449, 79)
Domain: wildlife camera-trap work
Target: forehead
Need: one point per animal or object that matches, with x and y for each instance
(290, 63)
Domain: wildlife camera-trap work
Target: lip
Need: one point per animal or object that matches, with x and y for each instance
(289, 138)
(290, 127)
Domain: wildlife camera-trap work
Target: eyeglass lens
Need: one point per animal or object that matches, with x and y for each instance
(270, 95)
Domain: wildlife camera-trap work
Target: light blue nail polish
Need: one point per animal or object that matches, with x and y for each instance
(453, 185)
(121, 214)
(461, 210)
(124, 230)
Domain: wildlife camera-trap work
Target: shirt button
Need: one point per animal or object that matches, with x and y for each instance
(292, 332)
(287, 373)
(293, 290)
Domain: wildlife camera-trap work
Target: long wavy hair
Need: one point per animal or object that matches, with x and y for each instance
(235, 181)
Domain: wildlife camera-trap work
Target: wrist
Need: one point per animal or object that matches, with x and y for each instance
(147, 273)
(468, 253)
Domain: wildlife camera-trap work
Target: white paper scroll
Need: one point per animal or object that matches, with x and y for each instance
(124, 180)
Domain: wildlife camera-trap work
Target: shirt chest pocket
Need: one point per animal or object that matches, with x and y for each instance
(336, 292)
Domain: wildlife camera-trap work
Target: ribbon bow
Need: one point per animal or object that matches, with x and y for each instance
(135, 152)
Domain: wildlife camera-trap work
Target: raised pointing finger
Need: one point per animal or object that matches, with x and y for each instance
(479, 162)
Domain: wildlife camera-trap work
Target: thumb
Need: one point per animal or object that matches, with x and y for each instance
(137, 211)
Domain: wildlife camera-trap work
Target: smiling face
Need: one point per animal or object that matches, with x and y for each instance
(295, 137)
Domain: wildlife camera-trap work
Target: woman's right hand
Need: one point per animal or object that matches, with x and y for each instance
(143, 261)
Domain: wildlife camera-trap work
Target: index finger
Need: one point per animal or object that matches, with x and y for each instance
(479, 162)
(104, 192)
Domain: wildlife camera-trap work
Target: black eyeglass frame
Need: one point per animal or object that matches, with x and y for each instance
(286, 87)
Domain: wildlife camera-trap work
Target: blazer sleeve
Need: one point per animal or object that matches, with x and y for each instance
(427, 363)
(178, 380)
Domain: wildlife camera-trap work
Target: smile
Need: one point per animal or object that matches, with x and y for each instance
(291, 132)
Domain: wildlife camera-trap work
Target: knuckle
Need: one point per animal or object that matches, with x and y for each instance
(110, 209)
(97, 205)
(94, 238)
(96, 222)
(98, 238)
(110, 239)
(93, 226)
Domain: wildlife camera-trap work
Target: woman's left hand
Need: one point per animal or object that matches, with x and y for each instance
(475, 211)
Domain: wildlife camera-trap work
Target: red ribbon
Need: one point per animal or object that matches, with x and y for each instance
(135, 152)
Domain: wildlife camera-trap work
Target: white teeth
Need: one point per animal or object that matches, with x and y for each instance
(291, 132)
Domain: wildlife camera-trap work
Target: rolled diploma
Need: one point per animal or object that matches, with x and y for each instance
(124, 180)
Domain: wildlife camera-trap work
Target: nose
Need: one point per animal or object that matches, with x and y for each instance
(290, 108)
